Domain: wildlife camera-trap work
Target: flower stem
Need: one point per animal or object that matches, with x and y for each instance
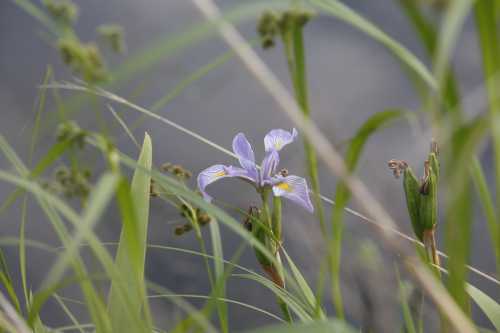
(293, 41)
(273, 243)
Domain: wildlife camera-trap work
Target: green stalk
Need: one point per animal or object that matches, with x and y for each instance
(276, 218)
(488, 41)
(272, 242)
(335, 254)
(303, 101)
(488, 206)
(293, 41)
(427, 33)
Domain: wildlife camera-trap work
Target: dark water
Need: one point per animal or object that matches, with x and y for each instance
(351, 77)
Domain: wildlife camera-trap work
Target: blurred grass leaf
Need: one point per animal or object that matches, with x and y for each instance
(344, 13)
(330, 325)
(490, 308)
(131, 252)
(342, 195)
(220, 289)
(303, 288)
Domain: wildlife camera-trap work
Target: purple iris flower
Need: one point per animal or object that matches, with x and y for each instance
(291, 187)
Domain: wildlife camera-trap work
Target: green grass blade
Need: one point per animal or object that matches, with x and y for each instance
(453, 22)
(458, 223)
(99, 198)
(50, 204)
(68, 312)
(192, 312)
(220, 291)
(22, 226)
(164, 47)
(224, 300)
(304, 288)
(294, 304)
(486, 200)
(298, 73)
(130, 257)
(6, 281)
(428, 35)
(22, 250)
(331, 325)
(486, 27)
(344, 13)
(490, 308)
(123, 125)
(38, 14)
(404, 296)
(342, 196)
(55, 152)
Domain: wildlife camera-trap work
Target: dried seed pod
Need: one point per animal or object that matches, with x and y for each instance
(397, 167)
(179, 230)
(165, 167)
(152, 189)
(203, 218)
(267, 28)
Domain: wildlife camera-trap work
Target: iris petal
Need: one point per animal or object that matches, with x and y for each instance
(219, 171)
(293, 188)
(276, 139)
(268, 167)
(210, 175)
(244, 151)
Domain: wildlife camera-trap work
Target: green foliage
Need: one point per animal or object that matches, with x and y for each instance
(331, 325)
(130, 258)
(127, 305)
(487, 304)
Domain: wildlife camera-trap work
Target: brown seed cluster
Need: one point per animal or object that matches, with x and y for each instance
(176, 170)
(397, 167)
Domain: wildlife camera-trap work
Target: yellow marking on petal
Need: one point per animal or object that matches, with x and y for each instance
(220, 174)
(285, 187)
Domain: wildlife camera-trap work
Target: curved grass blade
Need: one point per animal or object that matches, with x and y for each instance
(342, 195)
(451, 26)
(47, 160)
(131, 252)
(344, 13)
(295, 305)
(487, 32)
(458, 223)
(486, 199)
(220, 291)
(38, 14)
(99, 198)
(50, 204)
(70, 314)
(490, 308)
(6, 282)
(224, 300)
(95, 305)
(330, 325)
(303, 288)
